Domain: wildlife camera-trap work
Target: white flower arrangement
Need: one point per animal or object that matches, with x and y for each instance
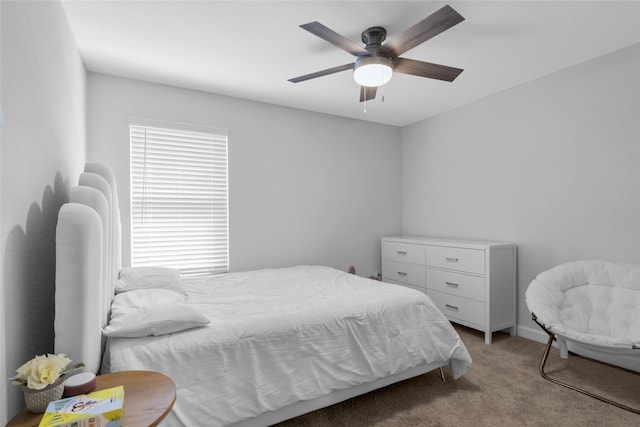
(42, 371)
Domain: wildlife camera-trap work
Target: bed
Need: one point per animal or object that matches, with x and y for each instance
(247, 348)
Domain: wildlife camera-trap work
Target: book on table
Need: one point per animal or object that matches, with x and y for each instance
(102, 408)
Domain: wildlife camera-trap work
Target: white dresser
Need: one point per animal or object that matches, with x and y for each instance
(472, 282)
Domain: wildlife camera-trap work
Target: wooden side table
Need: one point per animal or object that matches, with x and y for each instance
(148, 398)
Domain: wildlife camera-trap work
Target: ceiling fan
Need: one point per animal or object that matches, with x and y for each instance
(375, 63)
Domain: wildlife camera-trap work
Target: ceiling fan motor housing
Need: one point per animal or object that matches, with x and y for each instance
(371, 60)
(374, 36)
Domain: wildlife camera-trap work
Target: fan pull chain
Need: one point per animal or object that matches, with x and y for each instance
(365, 102)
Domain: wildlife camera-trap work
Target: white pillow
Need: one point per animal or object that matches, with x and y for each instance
(131, 278)
(155, 320)
(137, 299)
(145, 312)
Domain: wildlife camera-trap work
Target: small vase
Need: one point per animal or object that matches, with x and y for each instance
(37, 400)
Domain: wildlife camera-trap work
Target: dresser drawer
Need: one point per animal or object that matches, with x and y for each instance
(405, 273)
(456, 284)
(460, 259)
(457, 308)
(403, 252)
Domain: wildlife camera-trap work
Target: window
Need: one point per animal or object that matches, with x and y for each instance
(179, 197)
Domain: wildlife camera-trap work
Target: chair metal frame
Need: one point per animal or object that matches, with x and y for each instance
(552, 338)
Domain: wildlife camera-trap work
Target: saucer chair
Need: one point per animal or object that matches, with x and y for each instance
(594, 304)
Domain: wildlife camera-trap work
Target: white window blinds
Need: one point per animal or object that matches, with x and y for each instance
(179, 199)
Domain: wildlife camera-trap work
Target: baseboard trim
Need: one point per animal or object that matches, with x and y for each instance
(532, 334)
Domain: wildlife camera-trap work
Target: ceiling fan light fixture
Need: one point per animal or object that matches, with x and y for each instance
(372, 71)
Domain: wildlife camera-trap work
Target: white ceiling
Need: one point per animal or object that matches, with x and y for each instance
(249, 49)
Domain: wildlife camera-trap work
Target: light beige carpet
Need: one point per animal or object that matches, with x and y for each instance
(502, 388)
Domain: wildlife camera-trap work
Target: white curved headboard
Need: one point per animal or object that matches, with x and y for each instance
(78, 307)
(87, 266)
(116, 234)
(96, 200)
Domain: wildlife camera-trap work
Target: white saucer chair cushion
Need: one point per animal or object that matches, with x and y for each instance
(592, 302)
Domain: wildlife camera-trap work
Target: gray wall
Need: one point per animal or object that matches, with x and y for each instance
(552, 165)
(43, 99)
(305, 188)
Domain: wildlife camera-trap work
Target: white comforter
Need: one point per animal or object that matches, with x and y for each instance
(278, 336)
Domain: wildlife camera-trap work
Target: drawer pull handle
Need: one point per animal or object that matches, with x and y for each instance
(451, 307)
(452, 284)
(401, 273)
(450, 259)
(402, 252)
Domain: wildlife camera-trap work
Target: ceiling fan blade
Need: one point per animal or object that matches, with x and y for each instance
(334, 38)
(429, 27)
(323, 73)
(367, 93)
(425, 69)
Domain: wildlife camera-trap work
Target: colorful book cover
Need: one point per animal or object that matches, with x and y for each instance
(101, 408)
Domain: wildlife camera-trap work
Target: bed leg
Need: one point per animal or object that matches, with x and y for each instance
(579, 390)
(442, 374)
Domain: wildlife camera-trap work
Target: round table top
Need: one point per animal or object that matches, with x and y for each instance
(148, 398)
